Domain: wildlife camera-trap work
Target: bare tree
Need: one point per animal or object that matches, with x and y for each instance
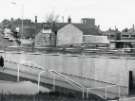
(52, 18)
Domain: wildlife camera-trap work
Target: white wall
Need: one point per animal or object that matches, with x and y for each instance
(96, 39)
(69, 35)
(42, 40)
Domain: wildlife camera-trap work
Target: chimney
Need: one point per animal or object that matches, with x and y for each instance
(69, 20)
(35, 19)
(35, 25)
(133, 27)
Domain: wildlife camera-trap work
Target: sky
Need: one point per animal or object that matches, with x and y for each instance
(107, 13)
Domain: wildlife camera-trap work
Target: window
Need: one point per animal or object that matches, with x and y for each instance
(112, 36)
(125, 36)
(132, 36)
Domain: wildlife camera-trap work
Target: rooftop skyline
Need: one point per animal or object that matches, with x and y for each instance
(107, 13)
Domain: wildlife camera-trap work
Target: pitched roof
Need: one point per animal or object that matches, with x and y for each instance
(86, 29)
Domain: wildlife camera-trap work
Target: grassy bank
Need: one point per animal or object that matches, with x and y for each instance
(52, 96)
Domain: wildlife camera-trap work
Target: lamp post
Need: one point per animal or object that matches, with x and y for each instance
(22, 17)
(22, 6)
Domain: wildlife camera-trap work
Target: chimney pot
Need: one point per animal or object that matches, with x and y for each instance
(35, 19)
(133, 27)
(69, 20)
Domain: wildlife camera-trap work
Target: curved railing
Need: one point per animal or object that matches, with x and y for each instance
(65, 78)
(43, 69)
(105, 90)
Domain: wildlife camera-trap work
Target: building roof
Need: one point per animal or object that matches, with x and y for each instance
(131, 31)
(86, 29)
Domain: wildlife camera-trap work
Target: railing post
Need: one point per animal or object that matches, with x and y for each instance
(87, 95)
(39, 80)
(18, 72)
(54, 82)
(68, 79)
(119, 91)
(83, 96)
(105, 92)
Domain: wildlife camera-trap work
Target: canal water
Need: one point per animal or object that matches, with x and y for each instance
(104, 69)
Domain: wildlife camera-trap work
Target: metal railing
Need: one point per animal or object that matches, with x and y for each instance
(105, 90)
(45, 69)
(72, 82)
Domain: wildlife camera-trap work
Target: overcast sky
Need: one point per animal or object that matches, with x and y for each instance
(107, 13)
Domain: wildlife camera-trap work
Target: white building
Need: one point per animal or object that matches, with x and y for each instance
(69, 35)
(78, 34)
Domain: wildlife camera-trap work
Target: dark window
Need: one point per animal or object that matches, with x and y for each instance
(125, 36)
(112, 36)
(132, 36)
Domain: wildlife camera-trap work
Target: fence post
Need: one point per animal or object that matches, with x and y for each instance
(83, 93)
(119, 91)
(54, 82)
(105, 92)
(34, 98)
(39, 80)
(87, 95)
(18, 72)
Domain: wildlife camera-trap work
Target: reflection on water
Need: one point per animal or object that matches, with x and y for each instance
(100, 67)
(110, 69)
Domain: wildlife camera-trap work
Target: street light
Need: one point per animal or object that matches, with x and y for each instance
(22, 15)
(22, 11)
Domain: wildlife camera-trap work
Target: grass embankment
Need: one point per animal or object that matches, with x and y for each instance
(52, 96)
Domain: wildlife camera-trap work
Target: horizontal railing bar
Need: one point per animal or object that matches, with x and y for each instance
(80, 86)
(102, 87)
(46, 69)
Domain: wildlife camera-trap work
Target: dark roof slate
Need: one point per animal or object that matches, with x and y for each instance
(86, 29)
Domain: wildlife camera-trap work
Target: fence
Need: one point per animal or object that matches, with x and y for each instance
(52, 72)
(107, 92)
(67, 79)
